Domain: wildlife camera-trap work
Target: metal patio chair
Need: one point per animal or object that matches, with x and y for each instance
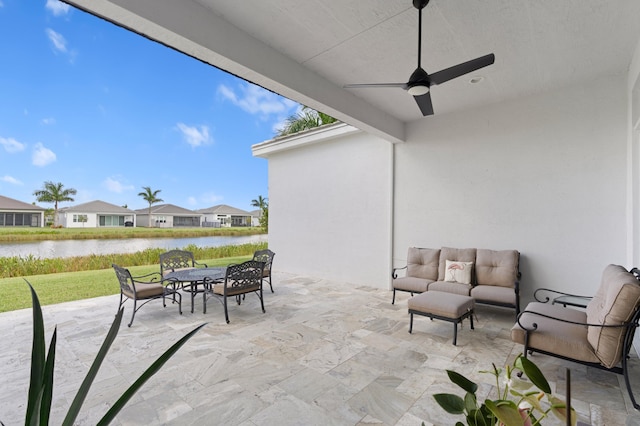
(239, 280)
(144, 291)
(265, 256)
(175, 260)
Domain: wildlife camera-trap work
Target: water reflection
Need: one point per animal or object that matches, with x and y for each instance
(70, 248)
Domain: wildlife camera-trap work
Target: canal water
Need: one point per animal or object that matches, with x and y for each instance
(70, 248)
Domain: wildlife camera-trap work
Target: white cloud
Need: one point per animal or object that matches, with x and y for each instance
(48, 120)
(11, 145)
(195, 136)
(210, 198)
(59, 42)
(57, 8)
(256, 100)
(192, 201)
(10, 179)
(114, 185)
(42, 155)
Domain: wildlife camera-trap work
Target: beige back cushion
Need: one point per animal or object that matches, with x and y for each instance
(497, 267)
(423, 263)
(614, 303)
(454, 254)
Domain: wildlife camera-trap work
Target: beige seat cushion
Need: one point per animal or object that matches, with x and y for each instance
(569, 340)
(494, 294)
(145, 291)
(232, 291)
(614, 303)
(458, 255)
(412, 284)
(445, 305)
(423, 263)
(499, 268)
(450, 287)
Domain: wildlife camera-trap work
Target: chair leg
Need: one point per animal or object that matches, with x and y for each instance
(410, 321)
(261, 300)
(120, 304)
(134, 312)
(270, 285)
(625, 372)
(179, 301)
(393, 301)
(226, 313)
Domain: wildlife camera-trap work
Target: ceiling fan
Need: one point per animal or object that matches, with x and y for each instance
(420, 82)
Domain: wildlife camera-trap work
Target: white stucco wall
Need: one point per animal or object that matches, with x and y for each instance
(329, 210)
(66, 220)
(545, 175)
(633, 174)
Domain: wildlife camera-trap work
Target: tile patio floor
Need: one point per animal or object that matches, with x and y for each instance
(324, 353)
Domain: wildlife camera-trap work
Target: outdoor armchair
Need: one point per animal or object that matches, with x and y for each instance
(143, 289)
(239, 280)
(174, 260)
(265, 256)
(600, 336)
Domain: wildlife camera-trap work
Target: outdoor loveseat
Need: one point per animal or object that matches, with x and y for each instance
(600, 336)
(490, 277)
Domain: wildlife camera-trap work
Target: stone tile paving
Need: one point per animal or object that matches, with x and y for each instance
(324, 353)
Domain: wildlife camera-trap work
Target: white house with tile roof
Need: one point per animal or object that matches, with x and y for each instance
(255, 217)
(96, 214)
(18, 213)
(167, 216)
(224, 216)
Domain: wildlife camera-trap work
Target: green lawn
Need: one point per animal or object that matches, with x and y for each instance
(69, 286)
(39, 234)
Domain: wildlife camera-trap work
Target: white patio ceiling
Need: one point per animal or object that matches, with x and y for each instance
(307, 50)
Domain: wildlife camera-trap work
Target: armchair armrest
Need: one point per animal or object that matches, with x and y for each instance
(394, 272)
(144, 278)
(196, 263)
(534, 326)
(557, 293)
(170, 282)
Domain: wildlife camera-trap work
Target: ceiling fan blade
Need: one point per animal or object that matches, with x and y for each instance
(358, 86)
(461, 69)
(424, 103)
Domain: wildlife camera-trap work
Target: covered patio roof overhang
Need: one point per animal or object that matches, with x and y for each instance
(543, 155)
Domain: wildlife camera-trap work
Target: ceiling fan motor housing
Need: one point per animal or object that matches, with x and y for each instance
(418, 82)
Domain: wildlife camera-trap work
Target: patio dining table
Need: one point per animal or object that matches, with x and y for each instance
(193, 279)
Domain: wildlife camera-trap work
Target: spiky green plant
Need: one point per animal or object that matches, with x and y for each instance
(42, 367)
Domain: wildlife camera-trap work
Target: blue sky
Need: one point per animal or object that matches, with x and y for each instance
(106, 111)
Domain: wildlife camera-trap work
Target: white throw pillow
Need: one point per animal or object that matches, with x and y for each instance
(458, 272)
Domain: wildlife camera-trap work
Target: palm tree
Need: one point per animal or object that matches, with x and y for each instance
(263, 205)
(150, 197)
(305, 119)
(53, 193)
(260, 202)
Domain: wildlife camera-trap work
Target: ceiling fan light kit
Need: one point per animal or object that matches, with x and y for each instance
(420, 82)
(418, 90)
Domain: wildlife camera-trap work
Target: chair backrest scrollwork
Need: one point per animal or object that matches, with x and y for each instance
(245, 275)
(176, 259)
